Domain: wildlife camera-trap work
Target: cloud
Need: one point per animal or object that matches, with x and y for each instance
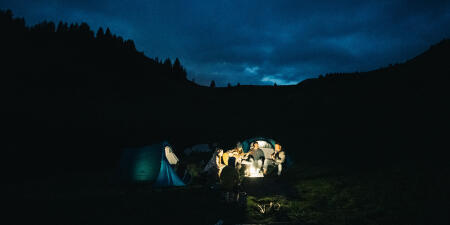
(259, 41)
(276, 79)
(252, 70)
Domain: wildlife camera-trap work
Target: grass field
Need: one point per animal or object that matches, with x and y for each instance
(406, 193)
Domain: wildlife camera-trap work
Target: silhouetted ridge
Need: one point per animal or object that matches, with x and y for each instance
(429, 68)
(436, 58)
(71, 56)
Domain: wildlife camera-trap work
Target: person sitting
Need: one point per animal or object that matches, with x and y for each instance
(236, 152)
(229, 180)
(255, 157)
(215, 164)
(277, 159)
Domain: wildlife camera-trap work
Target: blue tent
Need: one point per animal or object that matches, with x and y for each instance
(148, 164)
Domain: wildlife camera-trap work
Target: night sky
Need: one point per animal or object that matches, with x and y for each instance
(259, 42)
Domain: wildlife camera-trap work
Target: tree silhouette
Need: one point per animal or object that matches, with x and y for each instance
(86, 30)
(129, 44)
(100, 34)
(45, 27)
(62, 27)
(167, 65)
(178, 70)
(108, 34)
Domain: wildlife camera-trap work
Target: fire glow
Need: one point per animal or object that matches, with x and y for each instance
(254, 172)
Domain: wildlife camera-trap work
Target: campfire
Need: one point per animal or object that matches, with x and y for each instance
(254, 172)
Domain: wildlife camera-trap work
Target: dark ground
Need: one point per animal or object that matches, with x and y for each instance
(405, 193)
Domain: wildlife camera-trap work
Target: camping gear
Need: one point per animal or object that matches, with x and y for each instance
(149, 164)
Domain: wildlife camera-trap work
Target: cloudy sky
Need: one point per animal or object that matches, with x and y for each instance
(258, 41)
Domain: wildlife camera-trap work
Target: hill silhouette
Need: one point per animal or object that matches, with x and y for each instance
(72, 99)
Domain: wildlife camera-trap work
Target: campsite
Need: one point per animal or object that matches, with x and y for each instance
(94, 131)
(307, 193)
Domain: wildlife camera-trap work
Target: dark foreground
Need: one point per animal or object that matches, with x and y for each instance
(405, 193)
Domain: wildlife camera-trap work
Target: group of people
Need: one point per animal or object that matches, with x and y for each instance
(225, 166)
(257, 160)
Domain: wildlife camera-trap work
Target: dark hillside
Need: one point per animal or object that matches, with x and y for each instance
(402, 107)
(72, 100)
(68, 92)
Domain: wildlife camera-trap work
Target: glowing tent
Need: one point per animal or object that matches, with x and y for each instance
(149, 164)
(267, 145)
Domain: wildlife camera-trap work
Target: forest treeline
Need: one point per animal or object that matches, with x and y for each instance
(73, 98)
(72, 56)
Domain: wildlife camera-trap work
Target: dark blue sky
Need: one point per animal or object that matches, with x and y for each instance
(260, 42)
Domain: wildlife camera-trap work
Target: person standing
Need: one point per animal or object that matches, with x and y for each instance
(229, 179)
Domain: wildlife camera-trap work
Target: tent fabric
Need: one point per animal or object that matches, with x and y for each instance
(148, 164)
(170, 155)
(167, 177)
(197, 148)
(139, 164)
(246, 143)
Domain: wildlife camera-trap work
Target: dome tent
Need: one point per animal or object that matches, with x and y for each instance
(267, 145)
(149, 164)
